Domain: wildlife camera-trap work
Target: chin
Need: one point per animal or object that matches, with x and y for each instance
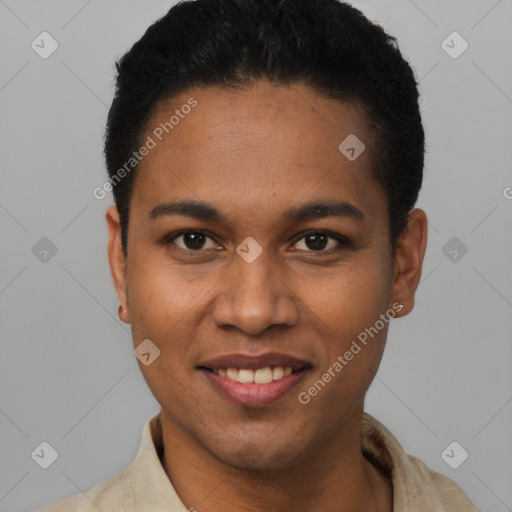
(252, 456)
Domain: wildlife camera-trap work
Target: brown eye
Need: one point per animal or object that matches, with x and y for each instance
(318, 241)
(192, 241)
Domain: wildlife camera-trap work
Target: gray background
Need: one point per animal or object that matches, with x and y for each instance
(67, 371)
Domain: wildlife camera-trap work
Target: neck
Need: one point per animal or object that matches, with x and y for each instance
(333, 476)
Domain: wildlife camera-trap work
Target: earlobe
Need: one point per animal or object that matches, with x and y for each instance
(409, 260)
(117, 260)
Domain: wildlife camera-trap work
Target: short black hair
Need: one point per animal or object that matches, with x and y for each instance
(326, 45)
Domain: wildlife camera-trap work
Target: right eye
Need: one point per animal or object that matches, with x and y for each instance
(192, 241)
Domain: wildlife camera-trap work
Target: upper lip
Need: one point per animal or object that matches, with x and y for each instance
(254, 362)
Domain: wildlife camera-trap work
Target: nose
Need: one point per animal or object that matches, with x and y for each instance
(255, 296)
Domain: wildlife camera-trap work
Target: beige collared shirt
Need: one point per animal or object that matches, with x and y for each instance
(143, 486)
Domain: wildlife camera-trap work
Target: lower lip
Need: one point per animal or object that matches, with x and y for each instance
(254, 395)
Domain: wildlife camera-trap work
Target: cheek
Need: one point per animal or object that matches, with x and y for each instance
(350, 298)
(169, 306)
(349, 308)
(159, 293)
(162, 310)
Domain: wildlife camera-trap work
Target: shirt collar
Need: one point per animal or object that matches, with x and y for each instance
(152, 487)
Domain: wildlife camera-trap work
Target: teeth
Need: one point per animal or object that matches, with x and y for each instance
(232, 374)
(245, 376)
(278, 373)
(263, 375)
(260, 376)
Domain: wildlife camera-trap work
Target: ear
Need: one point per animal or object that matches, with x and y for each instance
(409, 260)
(117, 260)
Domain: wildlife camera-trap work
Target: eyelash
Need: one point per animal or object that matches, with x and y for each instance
(343, 241)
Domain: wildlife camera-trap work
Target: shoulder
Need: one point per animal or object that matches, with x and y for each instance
(143, 486)
(438, 492)
(415, 486)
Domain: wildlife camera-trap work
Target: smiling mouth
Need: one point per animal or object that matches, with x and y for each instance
(254, 387)
(254, 380)
(263, 375)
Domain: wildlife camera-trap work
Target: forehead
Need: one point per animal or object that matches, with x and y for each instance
(240, 148)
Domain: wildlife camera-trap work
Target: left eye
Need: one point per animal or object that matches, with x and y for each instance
(317, 241)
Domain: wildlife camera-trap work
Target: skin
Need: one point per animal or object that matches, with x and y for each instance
(253, 153)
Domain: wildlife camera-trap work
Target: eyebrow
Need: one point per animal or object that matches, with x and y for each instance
(309, 211)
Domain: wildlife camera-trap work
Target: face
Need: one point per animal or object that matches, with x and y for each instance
(251, 276)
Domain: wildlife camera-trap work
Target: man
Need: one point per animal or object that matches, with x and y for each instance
(265, 158)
